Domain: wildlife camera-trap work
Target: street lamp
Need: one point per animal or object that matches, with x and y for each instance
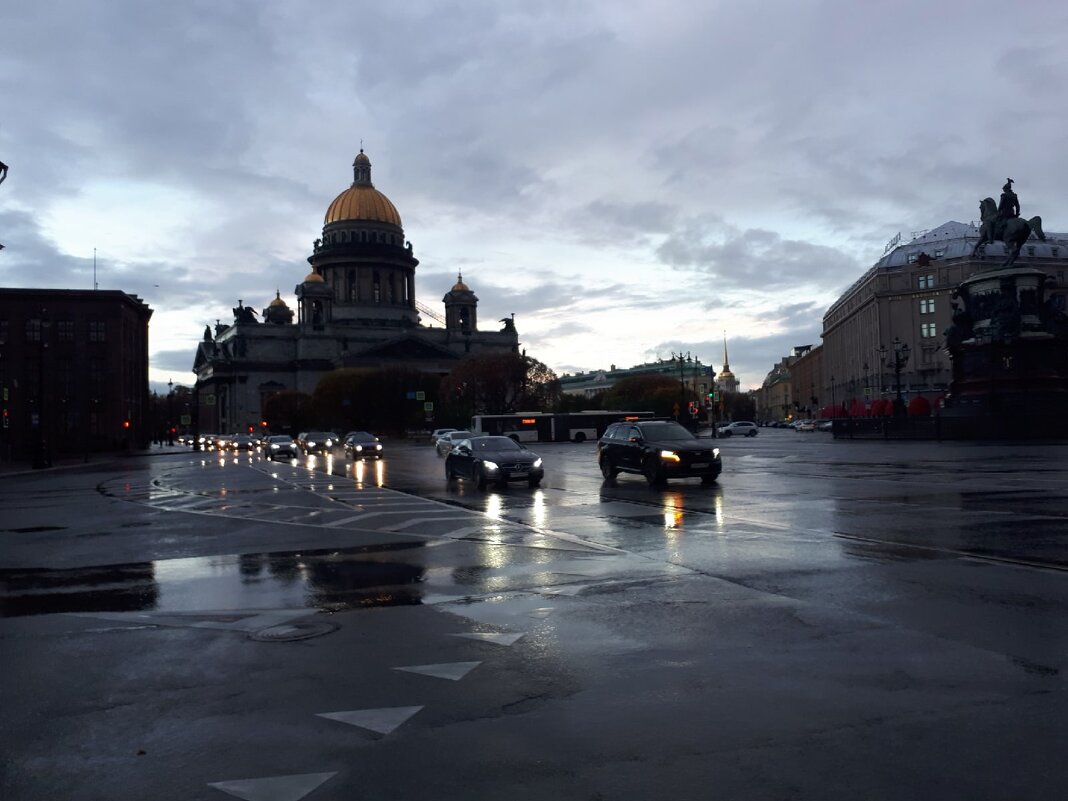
(682, 360)
(170, 411)
(897, 358)
(834, 411)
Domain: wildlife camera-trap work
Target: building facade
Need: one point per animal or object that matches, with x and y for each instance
(73, 372)
(906, 299)
(357, 307)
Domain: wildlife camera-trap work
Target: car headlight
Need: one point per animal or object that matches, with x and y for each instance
(275, 446)
(311, 444)
(669, 456)
(490, 465)
(537, 462)
(715, 452)
(378, 447)
(329, 443)
(359, 447)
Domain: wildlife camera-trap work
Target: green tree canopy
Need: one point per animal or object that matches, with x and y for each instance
(374, 399)
(288, 411)
(498, 383)
(656, 393)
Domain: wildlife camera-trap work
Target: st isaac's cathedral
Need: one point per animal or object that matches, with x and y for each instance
(356, 308)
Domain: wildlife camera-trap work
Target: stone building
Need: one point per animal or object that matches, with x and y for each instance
(73, 372)
(356, 308)
(907, 297)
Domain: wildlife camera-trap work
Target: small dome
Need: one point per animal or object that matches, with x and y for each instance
(278, 298)
(460, 286)
(313, 278)
(361, 158)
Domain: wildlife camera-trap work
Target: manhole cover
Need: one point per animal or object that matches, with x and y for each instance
(288, 632)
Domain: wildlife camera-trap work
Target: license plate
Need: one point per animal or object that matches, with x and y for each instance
(699, 465)
(519, 474)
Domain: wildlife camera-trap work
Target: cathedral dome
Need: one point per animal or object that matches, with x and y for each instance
(313, 278)
(362, 201)
(277, 300)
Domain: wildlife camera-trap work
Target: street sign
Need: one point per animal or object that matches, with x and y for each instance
(420, 396)
(186, 419)
(428, 406)
(210, 400)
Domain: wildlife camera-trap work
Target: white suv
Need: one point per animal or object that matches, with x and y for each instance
(738, 428)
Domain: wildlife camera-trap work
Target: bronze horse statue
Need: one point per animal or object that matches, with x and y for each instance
(1013, 231)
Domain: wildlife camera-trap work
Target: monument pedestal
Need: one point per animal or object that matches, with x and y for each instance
(1009, 351)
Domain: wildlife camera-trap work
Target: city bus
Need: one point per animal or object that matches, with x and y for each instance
(551, 426)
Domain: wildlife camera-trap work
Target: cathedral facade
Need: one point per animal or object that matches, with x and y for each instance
(356, 308)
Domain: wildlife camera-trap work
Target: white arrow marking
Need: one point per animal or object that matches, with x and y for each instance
(381, 721)
(454, 671)
(274, 788)
(496, 639)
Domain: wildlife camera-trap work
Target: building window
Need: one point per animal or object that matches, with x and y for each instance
(927, 330)
(33, 330)
(913, 257)
(926, 281)
(65, 330)
(1030, 250)
(3, 332)
(376, 290)
(1055, 251)
(940, 253)
(97, 331)
(927, 306)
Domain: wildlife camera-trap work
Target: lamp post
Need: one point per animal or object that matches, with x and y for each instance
(170, 411)
(897, 357)
(834, 411)
(682, 360)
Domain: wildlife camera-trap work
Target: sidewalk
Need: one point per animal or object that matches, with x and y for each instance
(25, 466)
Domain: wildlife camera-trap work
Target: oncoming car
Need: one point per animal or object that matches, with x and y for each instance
(447, 441)
(363, 445)
(496, 459)
(320, 442)
(657, 449)
(280, 446)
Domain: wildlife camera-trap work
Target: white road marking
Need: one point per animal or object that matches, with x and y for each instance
(380, 721)
(274, 788)
(453, 671)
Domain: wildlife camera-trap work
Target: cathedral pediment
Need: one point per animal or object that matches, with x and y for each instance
(408, 348)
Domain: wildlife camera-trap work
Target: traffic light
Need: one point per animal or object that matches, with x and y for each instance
(251, 429)
(125, 423)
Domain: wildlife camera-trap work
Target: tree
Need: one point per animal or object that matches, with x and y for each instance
(498, 383)
(659, 394)
(375, 399)
(289, 411)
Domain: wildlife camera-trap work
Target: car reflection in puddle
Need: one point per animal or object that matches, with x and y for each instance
(332, 579)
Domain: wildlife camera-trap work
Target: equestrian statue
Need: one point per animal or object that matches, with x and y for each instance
(1002, 223)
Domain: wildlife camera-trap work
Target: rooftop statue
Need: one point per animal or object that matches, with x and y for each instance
(1002, 222)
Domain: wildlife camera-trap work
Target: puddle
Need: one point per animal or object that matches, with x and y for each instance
(333, 579)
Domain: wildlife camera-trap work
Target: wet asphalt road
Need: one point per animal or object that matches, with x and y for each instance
(832, 620)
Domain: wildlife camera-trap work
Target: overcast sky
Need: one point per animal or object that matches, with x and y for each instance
(630, 179)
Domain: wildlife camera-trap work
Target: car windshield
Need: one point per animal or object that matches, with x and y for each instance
(665, 431)
(457, 435)
(280, 439)
(361, 436)
(495, 444)
(321, 435)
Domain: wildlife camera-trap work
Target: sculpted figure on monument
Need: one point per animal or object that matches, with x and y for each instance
(1002, 223)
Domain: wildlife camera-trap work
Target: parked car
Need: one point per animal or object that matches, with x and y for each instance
(493, 459)
(438, 433)
(738, 428)
(363, 445)
(804, 425)
(447, 441)
(824, 425)
(281, 446)
(657, 449)
(319, 442)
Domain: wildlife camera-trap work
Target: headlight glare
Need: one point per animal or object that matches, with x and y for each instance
(669, 456)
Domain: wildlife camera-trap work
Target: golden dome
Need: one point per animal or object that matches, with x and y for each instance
(278, 298)
(460, 286)
(362, 202)
(312, 278)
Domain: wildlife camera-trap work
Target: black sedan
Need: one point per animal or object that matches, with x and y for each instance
(363, 445)
(496, 459)
(280, 446)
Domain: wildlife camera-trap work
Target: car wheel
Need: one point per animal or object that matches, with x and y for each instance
(481, 478)
(651, 471)
(751, 434)
(449, 475)
(580, 436)
(608, 471)
(709, 479)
